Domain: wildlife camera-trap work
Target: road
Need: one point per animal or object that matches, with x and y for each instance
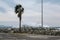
(10, 36)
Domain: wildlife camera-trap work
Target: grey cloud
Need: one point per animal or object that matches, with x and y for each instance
(2, 10)
(10, 3)
(51, 14)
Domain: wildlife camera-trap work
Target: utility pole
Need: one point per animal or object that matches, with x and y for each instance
(41, 13)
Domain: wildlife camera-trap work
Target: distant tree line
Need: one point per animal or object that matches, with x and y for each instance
(39, 30)
(33, 30)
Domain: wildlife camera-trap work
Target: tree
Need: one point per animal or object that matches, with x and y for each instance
(19, 9)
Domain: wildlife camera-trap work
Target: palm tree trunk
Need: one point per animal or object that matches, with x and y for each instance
(20, 23)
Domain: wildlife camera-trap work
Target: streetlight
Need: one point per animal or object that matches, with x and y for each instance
(41, 13)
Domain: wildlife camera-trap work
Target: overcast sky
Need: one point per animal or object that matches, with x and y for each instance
(32, 12)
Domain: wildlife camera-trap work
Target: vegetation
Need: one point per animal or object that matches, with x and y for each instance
(33, 30)
(19, 9)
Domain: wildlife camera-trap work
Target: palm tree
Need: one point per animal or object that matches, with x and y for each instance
(19, 9)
